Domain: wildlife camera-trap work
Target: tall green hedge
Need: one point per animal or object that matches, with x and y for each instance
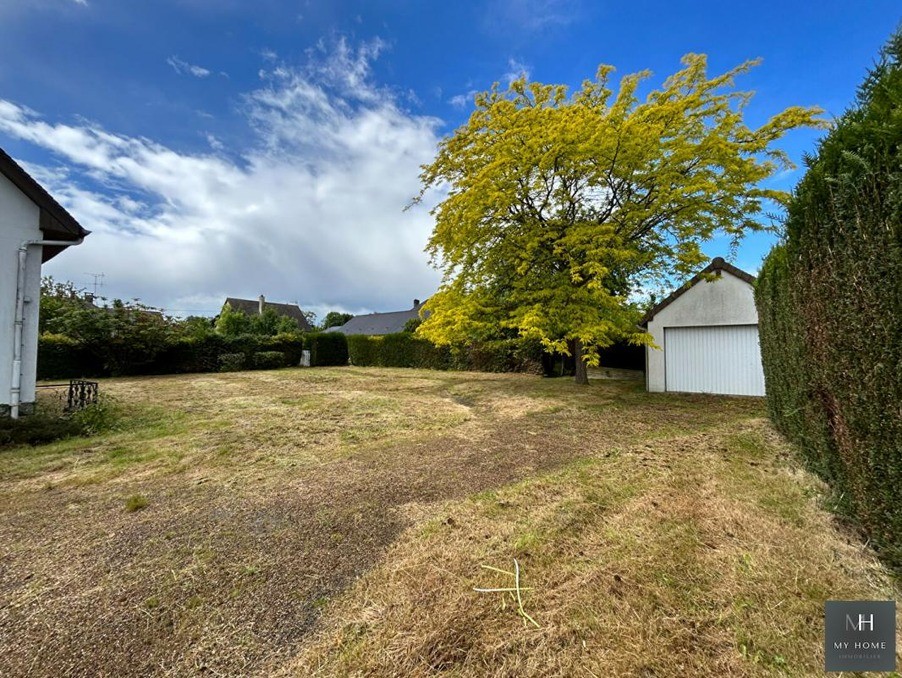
(830, 310)
(327, 348)
(60, 357)
(405, 349)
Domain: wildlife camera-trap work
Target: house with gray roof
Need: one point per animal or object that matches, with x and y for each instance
(379, 323)
(258, 306)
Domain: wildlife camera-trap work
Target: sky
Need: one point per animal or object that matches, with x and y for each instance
(225, 148)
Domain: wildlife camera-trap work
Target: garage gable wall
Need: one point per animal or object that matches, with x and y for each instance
(726, 300)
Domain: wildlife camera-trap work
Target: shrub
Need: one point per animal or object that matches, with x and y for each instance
(327, 348)
(829, 310)
(268, 360)
(231, 362)
(36, 429)
(104, 415)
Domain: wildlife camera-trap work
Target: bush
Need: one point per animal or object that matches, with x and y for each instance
(327, 348)
(830, 309)
(268, 360)
(101, 416)
(36, 429)
(231, 362)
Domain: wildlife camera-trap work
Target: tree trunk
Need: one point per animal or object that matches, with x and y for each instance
(580, 373)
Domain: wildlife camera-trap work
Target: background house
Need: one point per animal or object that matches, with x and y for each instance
(252, 307)
(34, 228)
(379, 323)
(707, 332)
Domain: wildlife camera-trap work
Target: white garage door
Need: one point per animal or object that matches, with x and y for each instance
(713, 359)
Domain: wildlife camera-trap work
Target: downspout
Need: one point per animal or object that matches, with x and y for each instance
(15, 390)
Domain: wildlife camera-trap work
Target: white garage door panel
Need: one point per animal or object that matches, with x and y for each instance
(714, 359)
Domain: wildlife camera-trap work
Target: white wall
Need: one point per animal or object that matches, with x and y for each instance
(726, 300)
(19, 221)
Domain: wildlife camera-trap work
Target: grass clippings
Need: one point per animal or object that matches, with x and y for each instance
(334, 521)
(136, 502)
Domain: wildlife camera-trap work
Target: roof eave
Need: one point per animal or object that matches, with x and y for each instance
(55, 222)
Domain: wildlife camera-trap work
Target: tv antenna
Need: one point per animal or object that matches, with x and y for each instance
(98, 281)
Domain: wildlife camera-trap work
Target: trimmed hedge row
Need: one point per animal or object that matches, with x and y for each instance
(405, 349)
(327, 348)
(830, 311)
(60, 357)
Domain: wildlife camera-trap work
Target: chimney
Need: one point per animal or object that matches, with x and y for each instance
(416, 303)
(261, 304)
(89, 298)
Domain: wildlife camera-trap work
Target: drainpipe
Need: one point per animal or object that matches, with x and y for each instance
(15, 390)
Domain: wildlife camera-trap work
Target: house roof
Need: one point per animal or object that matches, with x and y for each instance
(378, 323)
(717, 266)
(252, 307)
(55, 222)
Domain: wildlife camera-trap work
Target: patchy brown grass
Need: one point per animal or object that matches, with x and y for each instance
(700, 555)
(266, 495)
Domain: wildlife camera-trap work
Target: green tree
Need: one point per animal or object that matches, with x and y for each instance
(271, 323)
(56, 298)
(335, 319)
(124, 336)
(560, 206)
(232, 322)
(196, 327)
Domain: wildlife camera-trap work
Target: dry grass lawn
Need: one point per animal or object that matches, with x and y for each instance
(336, 521)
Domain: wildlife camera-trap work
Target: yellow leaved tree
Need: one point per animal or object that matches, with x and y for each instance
(560, 206)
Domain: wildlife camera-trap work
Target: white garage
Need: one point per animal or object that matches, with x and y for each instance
(706, 335)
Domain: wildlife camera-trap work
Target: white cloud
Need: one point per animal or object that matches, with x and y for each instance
(534, 15)
(312, 212)
(462, 100)
(83, 3)
(515, 69)
(184, 68)
(214, 142)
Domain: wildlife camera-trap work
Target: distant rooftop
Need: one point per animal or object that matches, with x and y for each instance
(379, 323)
(257, 306)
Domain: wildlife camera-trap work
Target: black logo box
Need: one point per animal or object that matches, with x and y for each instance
(860, 635)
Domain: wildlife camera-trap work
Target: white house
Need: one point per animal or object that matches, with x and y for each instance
(707, 336)
(33, 229)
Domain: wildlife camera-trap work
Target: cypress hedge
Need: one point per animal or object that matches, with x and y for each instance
(405, 349)
(60, 357)
(830, 310)
(327, 348)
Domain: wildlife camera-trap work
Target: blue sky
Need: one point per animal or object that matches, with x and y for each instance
(226, 148)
